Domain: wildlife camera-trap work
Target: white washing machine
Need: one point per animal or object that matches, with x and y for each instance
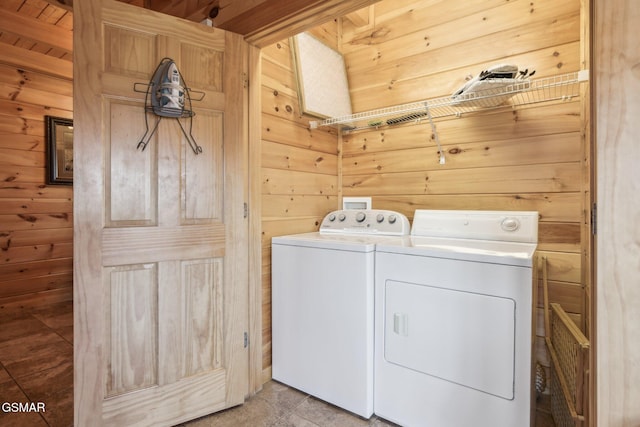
(323, 308)
(453, 303)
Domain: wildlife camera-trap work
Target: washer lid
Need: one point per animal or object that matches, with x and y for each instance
(343, 242)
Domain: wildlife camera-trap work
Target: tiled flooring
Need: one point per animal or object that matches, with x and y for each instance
(36, 364)
(277, 405)
(280, 406)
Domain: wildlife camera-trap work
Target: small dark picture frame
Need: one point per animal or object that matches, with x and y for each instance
(59, 150)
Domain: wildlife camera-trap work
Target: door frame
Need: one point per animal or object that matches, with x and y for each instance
(255, 220)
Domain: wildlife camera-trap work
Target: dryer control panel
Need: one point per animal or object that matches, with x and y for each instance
(506, 226)
(370, 221)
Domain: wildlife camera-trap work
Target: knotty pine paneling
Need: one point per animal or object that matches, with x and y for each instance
(530, 158)
(522, 151)
(16, 271)
(278, 181)
(554, 119)
(285, 206)
(20, 254)
(30, 191)
(287, 157)
(553, 207)
(36, 220)
(38, 290)
(424, 53)
(299, 166)
(278, 129)
(546, 178)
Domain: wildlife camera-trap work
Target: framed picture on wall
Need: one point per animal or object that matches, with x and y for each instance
(321, 75)
(59, 150)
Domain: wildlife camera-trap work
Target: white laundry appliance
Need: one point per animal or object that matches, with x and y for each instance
(323, 307)
(453, 345)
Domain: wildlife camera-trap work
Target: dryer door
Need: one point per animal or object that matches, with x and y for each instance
(462, 337)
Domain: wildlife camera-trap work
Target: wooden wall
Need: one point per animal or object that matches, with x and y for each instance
(36, 231)
(532, 158)
(299, 166)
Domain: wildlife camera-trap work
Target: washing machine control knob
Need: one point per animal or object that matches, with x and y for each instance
(392, 219)
(332, 217)
(380, 218)
(342, 217)
(510, 224)
(361, 216)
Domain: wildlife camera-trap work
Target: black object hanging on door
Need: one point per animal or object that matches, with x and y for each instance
(167, 95)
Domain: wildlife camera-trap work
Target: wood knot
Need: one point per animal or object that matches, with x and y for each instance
(28, 218)
(381, 32)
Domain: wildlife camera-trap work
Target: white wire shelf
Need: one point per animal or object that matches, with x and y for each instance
(521, 92)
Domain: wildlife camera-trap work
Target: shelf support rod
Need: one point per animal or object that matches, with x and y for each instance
(435, 132)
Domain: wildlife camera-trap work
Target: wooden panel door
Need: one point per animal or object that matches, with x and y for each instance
(160, 239)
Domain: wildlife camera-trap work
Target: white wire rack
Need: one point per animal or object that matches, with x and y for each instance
(521, 92)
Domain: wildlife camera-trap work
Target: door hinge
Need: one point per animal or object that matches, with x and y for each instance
(594, 219)
(246, 340)
(245, 80)
(246, 210)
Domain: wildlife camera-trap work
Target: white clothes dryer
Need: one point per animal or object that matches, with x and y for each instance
(323, 308)
(454, 321)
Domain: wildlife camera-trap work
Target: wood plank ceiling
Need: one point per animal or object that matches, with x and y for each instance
(262, 22)
(31, 27)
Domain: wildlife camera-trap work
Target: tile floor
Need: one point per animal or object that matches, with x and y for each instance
(277, 405)
(36, 364)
